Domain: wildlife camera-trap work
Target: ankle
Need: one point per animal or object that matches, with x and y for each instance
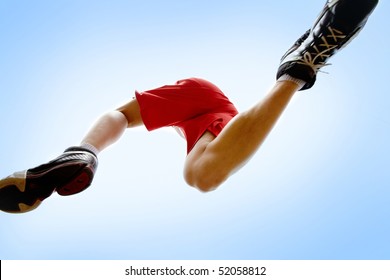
(300, 83)
(90, 148)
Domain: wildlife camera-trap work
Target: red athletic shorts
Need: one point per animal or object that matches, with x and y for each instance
(193, 105)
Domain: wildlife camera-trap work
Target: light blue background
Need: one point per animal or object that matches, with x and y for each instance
(319, 188)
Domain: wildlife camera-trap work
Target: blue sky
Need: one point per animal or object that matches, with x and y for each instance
(317, 189)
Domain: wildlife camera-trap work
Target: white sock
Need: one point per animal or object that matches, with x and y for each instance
(90, 148)
(286, 77)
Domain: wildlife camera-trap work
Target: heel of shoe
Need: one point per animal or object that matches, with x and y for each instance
(79, 183)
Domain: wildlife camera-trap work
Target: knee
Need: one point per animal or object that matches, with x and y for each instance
(204, 180)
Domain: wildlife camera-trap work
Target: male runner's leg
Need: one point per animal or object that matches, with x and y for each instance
(212, 161)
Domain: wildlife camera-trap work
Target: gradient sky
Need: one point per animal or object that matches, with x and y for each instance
(319, 188)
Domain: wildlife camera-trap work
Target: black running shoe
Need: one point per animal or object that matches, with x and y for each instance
(70, 173)
(339, 22)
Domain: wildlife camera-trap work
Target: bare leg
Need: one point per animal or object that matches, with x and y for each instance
(213, 160)
(110, 127)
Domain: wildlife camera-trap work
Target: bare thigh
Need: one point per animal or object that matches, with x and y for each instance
(131, 110)
(200, 146)
(196, 161)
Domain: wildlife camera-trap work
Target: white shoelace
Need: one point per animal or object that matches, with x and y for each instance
(310, 59)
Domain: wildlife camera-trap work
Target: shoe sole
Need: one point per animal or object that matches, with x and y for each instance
(67, 178)
(81, 180)
(25, 191)
(15, 197)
